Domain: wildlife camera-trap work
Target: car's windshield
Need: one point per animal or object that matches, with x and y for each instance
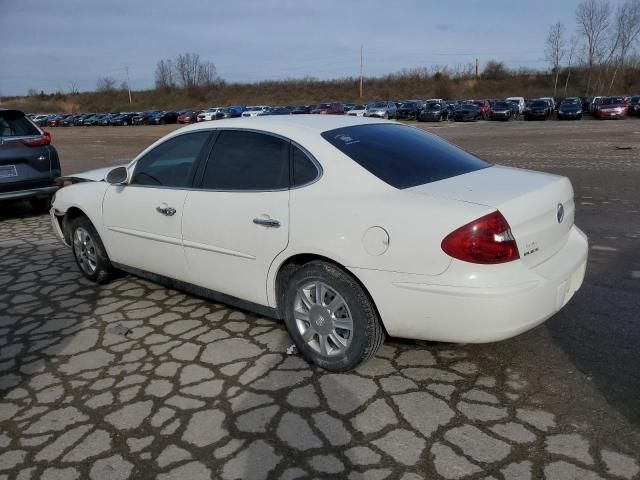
(540, 103)
(635, 100)
(402, 156)
(358, 107)
(379, 105)
(612, 100)
(569, 102)
(433, 106)
(15, 124)
(502, 106)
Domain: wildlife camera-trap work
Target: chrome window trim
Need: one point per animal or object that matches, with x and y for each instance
(309, 155)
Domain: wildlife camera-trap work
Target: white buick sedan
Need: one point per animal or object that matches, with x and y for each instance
(346, 228)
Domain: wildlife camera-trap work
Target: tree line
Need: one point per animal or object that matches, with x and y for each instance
(601, 47)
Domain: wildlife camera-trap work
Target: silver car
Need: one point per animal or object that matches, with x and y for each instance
(382, 110)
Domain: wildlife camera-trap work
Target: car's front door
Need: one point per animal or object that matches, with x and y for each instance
(142, 219)
(236, 220)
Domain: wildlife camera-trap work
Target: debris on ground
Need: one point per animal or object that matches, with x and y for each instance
(292, 350)
(119, 329)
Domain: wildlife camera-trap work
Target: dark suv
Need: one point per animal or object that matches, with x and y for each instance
(29, 164)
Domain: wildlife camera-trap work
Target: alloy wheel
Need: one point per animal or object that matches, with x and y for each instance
(323, 318)
(85, 250)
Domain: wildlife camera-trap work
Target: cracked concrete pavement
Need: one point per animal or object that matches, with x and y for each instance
(134, 380)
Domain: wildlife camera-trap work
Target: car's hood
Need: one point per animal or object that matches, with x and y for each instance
(97, 175)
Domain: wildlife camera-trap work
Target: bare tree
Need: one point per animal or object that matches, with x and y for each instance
(627, 31)
(193, 72)
(106, 84)
(74, 89)
(207, 75)
(593, 18)
(571, 54)
(495, 70)
(32, 92)
(165, 76)
(555, 51)
(187, 68)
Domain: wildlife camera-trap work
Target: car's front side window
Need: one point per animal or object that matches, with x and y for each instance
(170, 164)
(246, 160)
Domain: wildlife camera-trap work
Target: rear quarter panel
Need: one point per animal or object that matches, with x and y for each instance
(330, 218)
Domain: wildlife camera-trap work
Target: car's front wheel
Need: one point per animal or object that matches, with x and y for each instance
(89, 251)
(330, 317)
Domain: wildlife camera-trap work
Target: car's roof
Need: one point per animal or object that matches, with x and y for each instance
(309, 123)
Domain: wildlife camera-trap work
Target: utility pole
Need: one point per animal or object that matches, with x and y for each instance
(477, 68)
(360, 71)
(128, 83)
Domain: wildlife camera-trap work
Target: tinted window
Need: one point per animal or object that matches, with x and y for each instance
(402, 156)
(170, 163)
(14, 124)
(247, 161)
(304, 171)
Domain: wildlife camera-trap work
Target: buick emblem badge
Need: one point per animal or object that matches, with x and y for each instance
(560, 213)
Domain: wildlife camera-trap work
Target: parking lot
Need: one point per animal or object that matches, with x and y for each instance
(133, 380)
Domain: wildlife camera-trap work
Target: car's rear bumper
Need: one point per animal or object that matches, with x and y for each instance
(611, 115)
(32, 192)
(476, 305)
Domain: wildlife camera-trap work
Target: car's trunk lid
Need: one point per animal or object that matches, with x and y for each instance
(538, 206)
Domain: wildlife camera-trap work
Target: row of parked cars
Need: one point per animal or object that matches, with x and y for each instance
(434, 109)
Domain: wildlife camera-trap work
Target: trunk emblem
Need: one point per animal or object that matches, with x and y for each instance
(560, 213)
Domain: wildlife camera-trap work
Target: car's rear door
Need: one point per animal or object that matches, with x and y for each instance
(237, 219)
(142, 220)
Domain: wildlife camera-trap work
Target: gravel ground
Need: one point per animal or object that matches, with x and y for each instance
(133, 380)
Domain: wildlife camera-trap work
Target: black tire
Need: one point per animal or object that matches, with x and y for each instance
(40, 204)
(367, 334)
(103, 271)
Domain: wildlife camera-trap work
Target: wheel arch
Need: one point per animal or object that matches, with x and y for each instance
(71, 214)
(291, 264)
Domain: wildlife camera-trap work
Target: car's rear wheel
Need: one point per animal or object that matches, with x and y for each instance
(40, 204)
(89, 251)
(330, 317)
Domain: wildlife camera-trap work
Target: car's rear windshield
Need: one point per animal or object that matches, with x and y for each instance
(14, 124)
(402, 156)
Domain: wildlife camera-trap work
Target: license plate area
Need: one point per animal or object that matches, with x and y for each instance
(8, 171)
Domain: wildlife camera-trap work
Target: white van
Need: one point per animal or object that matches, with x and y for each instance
(520, 101)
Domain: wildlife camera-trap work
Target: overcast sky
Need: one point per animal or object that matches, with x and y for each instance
(45, 44)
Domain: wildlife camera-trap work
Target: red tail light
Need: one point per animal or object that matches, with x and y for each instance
(44, 139)
(487, 240)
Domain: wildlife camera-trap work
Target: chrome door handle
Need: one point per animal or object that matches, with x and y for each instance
(168, 211)
(267, 222)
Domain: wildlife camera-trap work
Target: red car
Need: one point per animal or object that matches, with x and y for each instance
(612, 107)
(188, 117)
(55, 121)
(329, 109)
(485, 107)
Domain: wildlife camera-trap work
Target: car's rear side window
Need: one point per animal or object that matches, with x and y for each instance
(14, 124)
(244, 160)
(304, 170)
(402, 156)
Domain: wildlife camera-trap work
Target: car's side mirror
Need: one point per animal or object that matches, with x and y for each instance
(118, 176)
